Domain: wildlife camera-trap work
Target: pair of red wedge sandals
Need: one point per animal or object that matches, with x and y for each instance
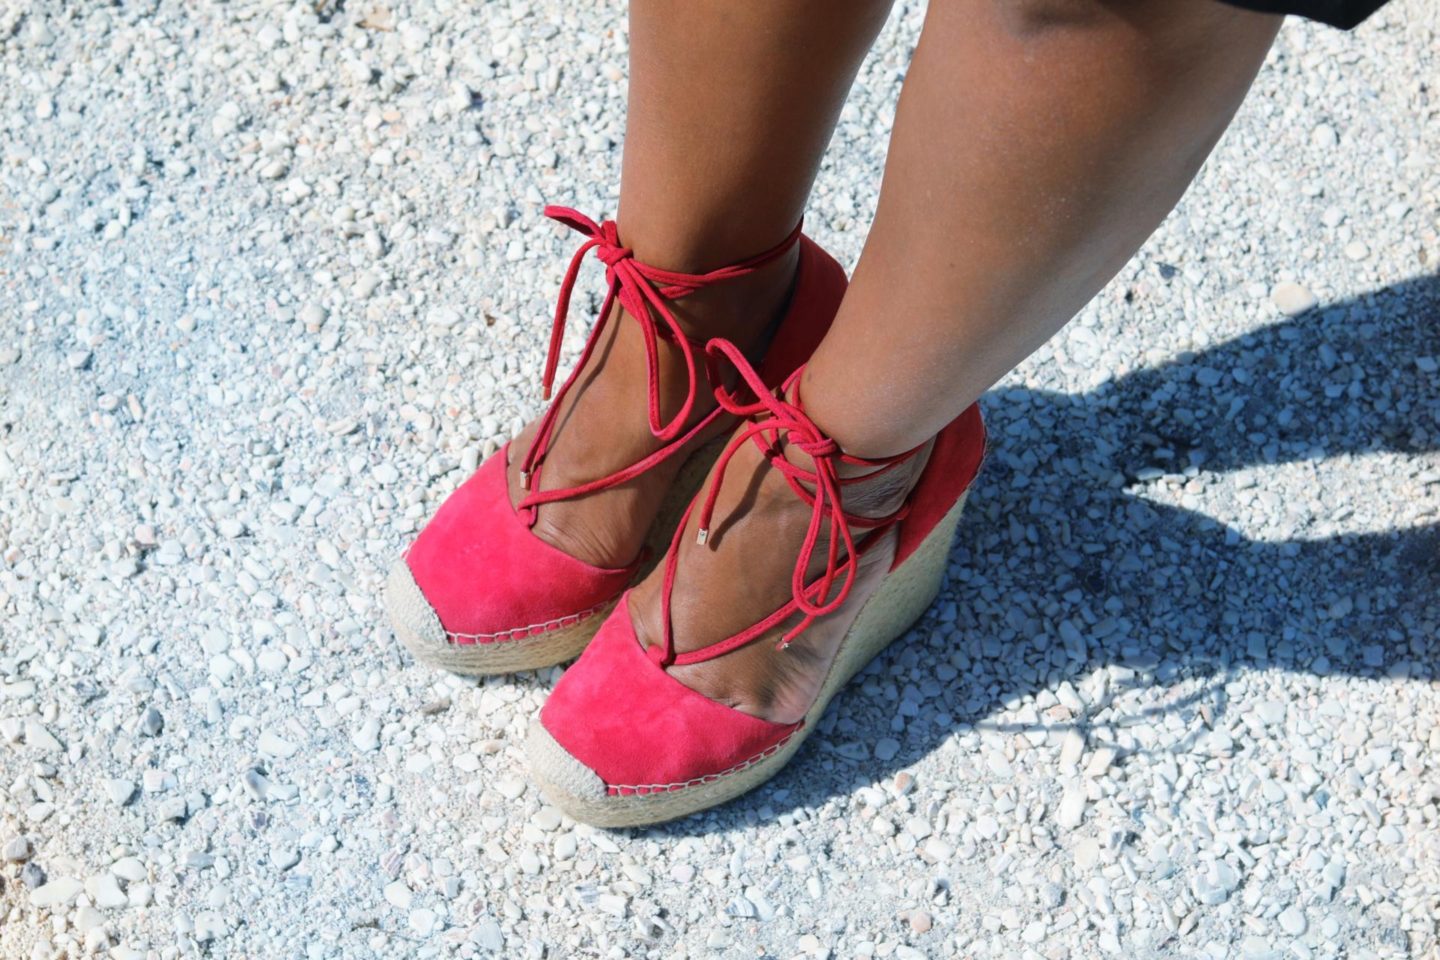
(479, 593)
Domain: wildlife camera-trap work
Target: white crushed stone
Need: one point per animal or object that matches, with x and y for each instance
(275, 280)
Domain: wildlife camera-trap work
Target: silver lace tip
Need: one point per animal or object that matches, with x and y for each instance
(702, 537)
(524, 479)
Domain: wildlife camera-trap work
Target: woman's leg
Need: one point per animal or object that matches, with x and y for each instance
(1037, 144)
(730, 108)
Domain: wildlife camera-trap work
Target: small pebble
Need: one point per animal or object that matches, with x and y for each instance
(151, 723)
(119, 791)
(273, 745)
(17, 850)
(56, 892)
(104, 891)
(40, 738)
(1291, 299)
(1292, 921)
(1072, 807)
(399, 895)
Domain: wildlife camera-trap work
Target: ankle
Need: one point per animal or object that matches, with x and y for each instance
(846, 412)
(741, 310)
(871, 490)
(876, 488)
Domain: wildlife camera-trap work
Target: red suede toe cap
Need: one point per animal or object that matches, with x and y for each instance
(640, 729)
(490, 579)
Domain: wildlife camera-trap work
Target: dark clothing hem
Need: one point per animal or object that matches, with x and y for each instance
(1345, 14)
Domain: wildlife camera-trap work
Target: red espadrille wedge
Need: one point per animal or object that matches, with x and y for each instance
(478, 592)
(621, 742)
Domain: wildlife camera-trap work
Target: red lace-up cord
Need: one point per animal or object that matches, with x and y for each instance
(770, 414)
(643, 291)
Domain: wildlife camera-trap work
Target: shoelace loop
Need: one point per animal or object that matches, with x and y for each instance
(770, 413)
(643, 291)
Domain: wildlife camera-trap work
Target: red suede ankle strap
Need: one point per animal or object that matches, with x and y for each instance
(642, 291)
(820, 488)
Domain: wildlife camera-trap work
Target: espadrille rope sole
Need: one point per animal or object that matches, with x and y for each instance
(902, 597)
(528, 647)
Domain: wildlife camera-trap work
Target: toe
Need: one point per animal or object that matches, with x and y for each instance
(559, 771)
(414, 619)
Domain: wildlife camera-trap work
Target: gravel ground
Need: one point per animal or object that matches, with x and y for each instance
(273, 278)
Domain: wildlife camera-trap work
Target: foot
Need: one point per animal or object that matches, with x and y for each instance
(602, 424)
(743, 573)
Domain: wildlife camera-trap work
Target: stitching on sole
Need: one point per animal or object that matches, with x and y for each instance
(521, 633)
(645, 789)
(457, 639)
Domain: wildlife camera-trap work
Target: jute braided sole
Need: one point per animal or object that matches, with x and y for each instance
(540, 645)
(902, 597)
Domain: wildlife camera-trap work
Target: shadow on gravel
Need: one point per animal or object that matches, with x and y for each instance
(1079, 571)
